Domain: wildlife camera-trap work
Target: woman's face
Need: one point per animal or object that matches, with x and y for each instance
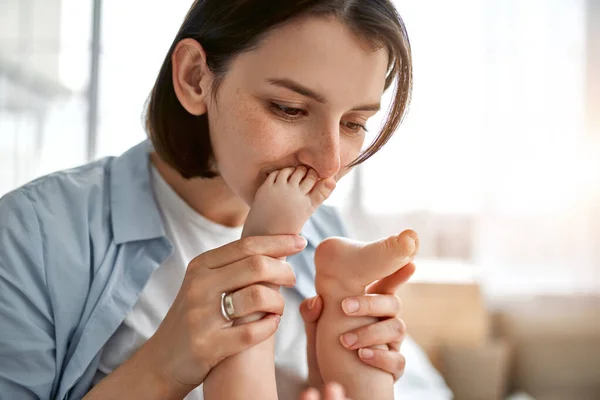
(301, 98)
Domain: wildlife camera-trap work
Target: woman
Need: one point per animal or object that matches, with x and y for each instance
(95, 295)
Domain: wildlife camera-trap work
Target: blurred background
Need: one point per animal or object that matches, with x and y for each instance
(497, 165)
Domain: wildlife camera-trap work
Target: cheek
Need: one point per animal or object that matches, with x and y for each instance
(350, 149)
(258, 135)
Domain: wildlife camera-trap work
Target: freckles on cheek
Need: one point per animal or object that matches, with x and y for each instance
(262, 134)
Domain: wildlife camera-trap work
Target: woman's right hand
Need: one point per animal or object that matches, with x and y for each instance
(194, 337)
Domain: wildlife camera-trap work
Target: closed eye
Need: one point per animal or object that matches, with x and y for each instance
(353, 126)
(295, 113)
(290, 113)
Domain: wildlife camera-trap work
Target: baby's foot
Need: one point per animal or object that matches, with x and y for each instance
(354, 265)
(285, 201)
(344, 268)
(282, 205)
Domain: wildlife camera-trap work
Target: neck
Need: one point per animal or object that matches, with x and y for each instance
(211, 198)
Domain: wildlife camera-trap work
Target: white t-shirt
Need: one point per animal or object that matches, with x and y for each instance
(191, 234)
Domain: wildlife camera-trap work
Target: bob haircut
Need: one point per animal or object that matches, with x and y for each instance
(226, 28)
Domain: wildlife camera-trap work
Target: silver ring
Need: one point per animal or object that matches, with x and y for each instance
(227, 309)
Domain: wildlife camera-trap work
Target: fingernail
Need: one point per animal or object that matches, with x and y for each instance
(311, 303)
(301, 242)
(349, 339)
(366, 353)
(350, 306)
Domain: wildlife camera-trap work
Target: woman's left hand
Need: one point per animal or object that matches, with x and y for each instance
(381, 302)
(331, 391)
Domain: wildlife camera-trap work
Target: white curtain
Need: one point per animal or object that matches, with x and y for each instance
(494, 166)
(135, 39)
(44, 72)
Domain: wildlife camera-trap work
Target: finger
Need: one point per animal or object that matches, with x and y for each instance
(388, 361)
(273, 246)
(334, 391)
(238, 338)
(391, 284)
(310, 310)
(376, 334)
(309, 394)
(395, 345)
(253, 270)
(372, 305)
(257, 298)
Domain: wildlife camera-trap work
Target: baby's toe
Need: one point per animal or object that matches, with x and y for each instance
(298, 174)
(284, 175)
(309, 180)
(272, 177)
(321, 191)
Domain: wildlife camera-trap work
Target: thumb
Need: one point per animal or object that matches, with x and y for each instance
(392, 283)
(310, 310)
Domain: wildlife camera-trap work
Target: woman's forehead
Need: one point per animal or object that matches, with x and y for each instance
(321, 54)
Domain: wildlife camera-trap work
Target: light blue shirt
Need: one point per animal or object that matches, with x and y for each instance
(76, 249)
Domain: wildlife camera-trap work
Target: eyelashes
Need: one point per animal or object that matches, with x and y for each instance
(355, 127)
(287, 112)
(294, 114)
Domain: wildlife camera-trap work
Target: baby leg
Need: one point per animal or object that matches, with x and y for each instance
(344, 269)
(282, 205)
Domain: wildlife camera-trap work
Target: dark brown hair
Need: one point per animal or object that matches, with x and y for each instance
(226, 28)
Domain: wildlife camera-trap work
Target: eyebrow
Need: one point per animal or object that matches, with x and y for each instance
(307, 92)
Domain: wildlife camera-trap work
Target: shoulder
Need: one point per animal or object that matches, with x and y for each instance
(50, 222)
(57, 197)
(62, 187)
(64, 203)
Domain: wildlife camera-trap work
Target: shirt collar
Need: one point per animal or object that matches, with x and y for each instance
(135, 213)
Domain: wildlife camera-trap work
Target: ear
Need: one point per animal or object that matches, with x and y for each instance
(191, 77)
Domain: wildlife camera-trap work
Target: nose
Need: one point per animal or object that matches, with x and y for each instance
(322, 152)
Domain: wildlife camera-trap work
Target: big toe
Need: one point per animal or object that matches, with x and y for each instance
(322, 191)
(391, 253)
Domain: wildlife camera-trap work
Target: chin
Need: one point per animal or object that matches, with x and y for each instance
(247, 188)
(245, 193)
